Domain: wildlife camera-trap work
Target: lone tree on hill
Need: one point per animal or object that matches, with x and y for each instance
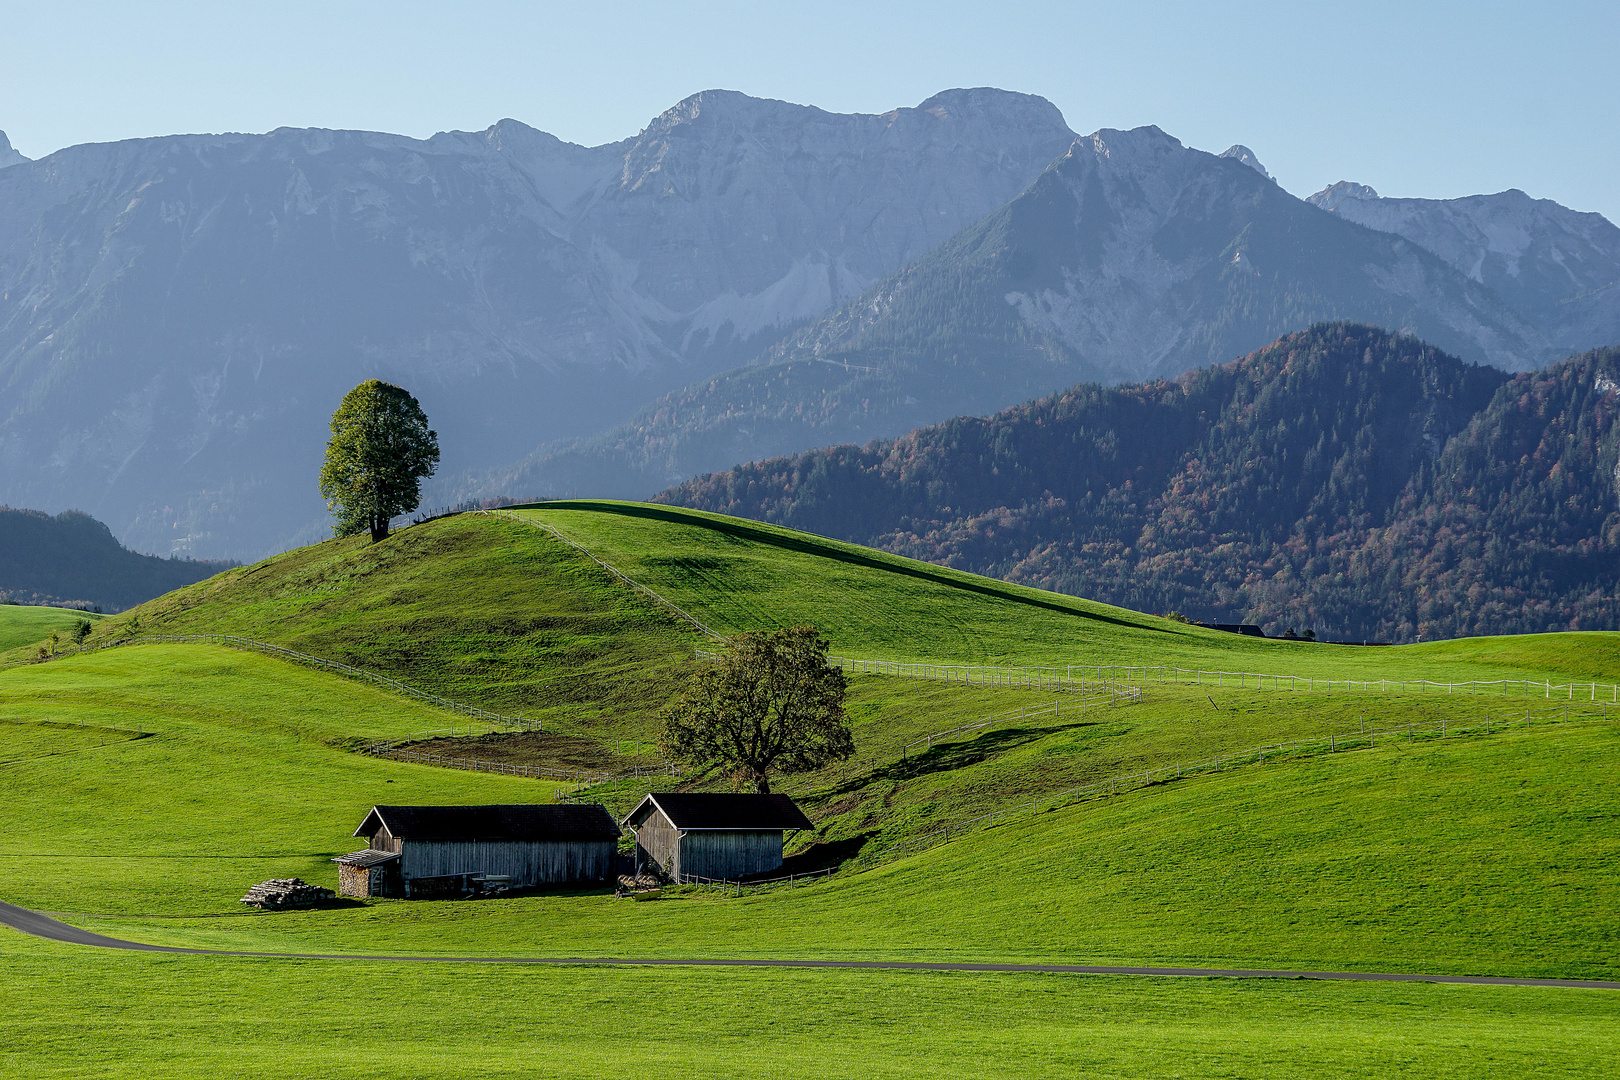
(380, 451)
(771, 701)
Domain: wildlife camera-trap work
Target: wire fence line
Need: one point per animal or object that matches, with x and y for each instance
(614, 783)
(394, 752)
(1016, 677)
(1333, 742)
(735, 886)
(1546, 688)
(618, 574)
(1078, 676)
(520, 723)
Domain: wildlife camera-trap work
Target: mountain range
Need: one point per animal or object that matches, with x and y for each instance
(744, 278)
(1131, 257)
(1358, 483)
(181, 315)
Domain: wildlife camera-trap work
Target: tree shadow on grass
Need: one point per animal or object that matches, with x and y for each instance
(945, 757)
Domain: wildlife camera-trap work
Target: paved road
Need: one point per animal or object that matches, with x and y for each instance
(32, 922)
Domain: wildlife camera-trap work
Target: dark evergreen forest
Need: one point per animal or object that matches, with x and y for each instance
(1344, 479)
(73, 560)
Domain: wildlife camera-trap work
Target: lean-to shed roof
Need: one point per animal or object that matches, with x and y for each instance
(508, 821)
(704, 811)
(365, 857)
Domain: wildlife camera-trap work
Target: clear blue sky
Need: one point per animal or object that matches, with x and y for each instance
(1415, 98)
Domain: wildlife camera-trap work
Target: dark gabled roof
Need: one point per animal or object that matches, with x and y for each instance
(509, 821)
(365, 857)
(693, 811)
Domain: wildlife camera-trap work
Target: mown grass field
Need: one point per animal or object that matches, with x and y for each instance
(73, 1013)
(477, 609)
(1478, 856)
(147, 786)
(22, 624)
(165, 779)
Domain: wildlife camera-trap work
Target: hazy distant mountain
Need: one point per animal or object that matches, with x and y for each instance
(1557, 267)
(72, 560)
(1131, 257)
(8, 156)
(1344, 479)
(181, 315)
(1242, 153)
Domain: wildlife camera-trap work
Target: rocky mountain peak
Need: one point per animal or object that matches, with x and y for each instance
(1560, 266)
(1330, 197)
(1239, 152)
(980, 103)
(8, 156)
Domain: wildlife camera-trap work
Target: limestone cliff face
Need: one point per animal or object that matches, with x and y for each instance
(179, 316)
(1558, 267)
(8, 154)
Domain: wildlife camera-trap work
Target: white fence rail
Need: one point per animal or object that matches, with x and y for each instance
(1079, 676)
(1573, 690)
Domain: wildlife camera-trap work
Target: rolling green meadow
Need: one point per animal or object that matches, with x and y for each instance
(147, 786)
(22, 625)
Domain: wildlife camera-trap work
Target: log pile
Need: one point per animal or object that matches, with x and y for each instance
(281, 893)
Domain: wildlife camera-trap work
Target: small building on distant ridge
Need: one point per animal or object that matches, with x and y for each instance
(420, 851)
(708, 835)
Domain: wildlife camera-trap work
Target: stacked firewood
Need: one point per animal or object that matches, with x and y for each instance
(279, 893)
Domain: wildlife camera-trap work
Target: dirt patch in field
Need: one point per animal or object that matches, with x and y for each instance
(531, 748)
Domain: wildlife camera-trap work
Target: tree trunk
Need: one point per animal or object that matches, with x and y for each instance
(379, 530)
(762, 784)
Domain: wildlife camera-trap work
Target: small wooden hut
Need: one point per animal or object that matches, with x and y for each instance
(449, 850)
(703, 835)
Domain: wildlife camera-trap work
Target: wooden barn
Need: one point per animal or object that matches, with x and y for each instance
(448, 850)
(713, 835)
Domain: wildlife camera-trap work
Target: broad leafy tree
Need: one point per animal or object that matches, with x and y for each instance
(380, 452)
(770, 703)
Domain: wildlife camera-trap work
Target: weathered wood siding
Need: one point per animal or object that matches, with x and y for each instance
(726, 854)
(382, 841)
(526, 863)
(658, 843)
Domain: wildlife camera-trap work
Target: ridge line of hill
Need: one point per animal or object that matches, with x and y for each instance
(830, 547)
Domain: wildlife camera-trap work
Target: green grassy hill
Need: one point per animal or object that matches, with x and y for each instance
(148, 786)
(739, 575)
(24, 624)
(166, 779)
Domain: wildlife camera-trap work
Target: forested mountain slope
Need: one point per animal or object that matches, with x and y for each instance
(73, 559)
(1345, 479)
